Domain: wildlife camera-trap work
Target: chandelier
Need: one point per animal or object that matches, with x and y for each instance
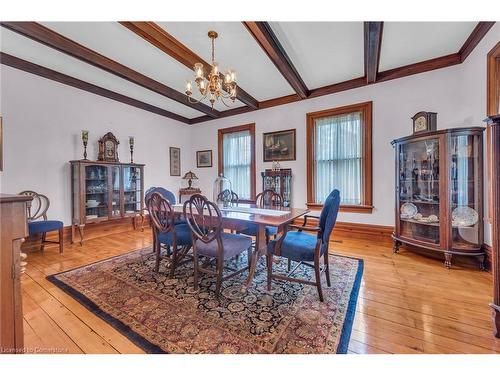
(216, 86)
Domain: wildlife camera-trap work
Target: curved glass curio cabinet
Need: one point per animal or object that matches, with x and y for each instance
(439, 189)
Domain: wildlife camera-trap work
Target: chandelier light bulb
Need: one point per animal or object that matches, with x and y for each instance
(198, 70)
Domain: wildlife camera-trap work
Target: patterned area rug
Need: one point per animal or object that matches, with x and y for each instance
(164, 315)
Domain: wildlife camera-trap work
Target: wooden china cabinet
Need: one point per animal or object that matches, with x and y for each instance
(280, 181)
(439, 192)
(104, 191)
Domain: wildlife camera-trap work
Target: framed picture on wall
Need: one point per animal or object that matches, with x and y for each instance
(204, 159)
(279, 146)
(175, 161)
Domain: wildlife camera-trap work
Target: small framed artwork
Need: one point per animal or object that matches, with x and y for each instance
(279, 146)
(175, 161)
(204, 159)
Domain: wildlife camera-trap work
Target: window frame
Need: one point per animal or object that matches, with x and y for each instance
(220, 140)
(365, 108)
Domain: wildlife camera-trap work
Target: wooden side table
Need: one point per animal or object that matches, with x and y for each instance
(188, 191)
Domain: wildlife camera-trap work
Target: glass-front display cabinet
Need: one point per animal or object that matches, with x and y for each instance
(103, 191)
(280, 181)
(439, 192)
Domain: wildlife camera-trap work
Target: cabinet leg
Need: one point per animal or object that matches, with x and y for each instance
(80, 231)
(447, 262)
(395, 248)
(72, 233)
(481, 258)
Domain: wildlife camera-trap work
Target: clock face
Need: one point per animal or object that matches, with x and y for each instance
(420, 124)
(109, 149)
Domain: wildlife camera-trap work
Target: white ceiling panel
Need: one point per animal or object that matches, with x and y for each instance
(323, 53)
(235, 49)
(124, 46)
(405, 43)
(27, 49)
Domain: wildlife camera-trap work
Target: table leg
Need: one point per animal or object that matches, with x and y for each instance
(260, 250)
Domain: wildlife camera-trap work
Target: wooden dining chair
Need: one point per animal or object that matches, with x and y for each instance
(38, 209)
(210, 241)
(233, 197)
(166, 233)
(267, 199)
(303, 248)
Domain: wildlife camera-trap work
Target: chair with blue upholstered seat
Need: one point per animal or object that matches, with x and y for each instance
(38, 209)
(167, 194)
(303, 247)
(209, 240)
(166, 233)
(267, 199)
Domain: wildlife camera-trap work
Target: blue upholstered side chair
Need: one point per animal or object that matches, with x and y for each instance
(210, 241)
(167, 194)
(38, 209)
(267, 199)
(304, 248)
(166, 233)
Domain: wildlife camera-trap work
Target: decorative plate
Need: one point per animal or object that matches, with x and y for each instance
(408, 210)
(433, 219)
(464, 216)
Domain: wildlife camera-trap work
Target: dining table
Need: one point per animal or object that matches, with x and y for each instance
(237, 216)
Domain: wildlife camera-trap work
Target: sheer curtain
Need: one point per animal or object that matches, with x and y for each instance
(237, 153)
(339, 157)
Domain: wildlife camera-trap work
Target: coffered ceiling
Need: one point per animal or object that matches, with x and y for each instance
(146, 64)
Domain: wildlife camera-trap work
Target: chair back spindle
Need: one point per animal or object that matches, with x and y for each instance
(204, 218)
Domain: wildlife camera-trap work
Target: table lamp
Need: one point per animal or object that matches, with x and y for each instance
(190, 176)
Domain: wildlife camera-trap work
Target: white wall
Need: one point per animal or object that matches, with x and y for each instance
(42, 122)
(457, 94)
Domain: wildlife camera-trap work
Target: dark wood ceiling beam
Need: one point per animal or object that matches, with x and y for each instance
(161, 39)
(264, 35)
(474, 38)
(59, 42)
(373, 42)
(41, 71)
(420, 67)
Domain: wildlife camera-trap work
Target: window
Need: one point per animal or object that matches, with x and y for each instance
(339, 156)
(237, 159)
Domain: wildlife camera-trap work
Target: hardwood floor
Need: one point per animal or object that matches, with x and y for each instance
(407, 303)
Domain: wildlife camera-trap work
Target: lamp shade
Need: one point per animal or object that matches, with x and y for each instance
(189, 176)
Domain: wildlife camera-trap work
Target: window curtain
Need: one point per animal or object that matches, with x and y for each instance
(339, 157)
(237, 154)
